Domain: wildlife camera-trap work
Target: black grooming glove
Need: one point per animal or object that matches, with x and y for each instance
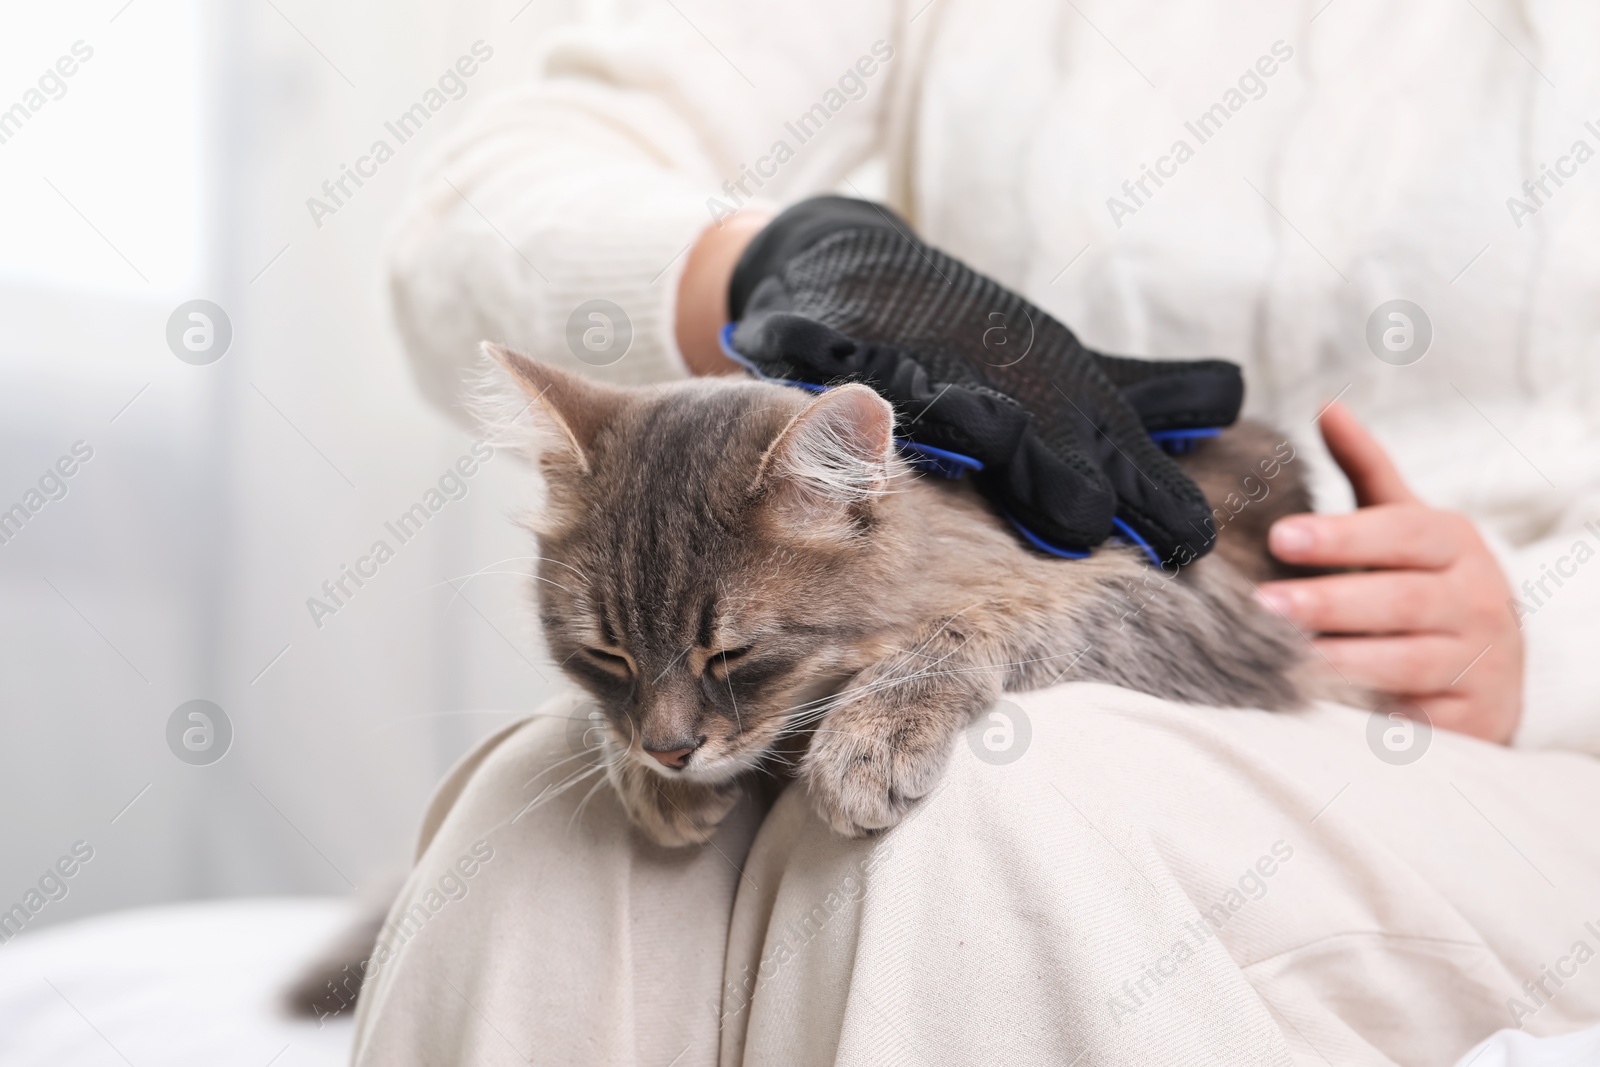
(841, 290)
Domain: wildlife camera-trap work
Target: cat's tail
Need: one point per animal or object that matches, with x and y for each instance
(328, 986)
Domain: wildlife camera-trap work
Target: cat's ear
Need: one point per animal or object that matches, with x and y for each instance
(828, 464)
(550, 415)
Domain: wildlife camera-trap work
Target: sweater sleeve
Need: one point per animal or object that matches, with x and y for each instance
(591, 182)
(1555, 587)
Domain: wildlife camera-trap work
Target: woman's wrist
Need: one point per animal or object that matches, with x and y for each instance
(702, 307)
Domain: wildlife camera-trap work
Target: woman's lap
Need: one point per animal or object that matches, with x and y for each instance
(1141, 882)
(577, 942)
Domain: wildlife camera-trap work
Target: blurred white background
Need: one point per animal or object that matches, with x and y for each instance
(176, 166)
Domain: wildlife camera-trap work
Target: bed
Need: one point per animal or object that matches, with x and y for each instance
(188, 985)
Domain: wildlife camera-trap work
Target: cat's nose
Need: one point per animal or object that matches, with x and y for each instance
(674, 757)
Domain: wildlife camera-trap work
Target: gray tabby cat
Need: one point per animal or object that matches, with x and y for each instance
(746, 576)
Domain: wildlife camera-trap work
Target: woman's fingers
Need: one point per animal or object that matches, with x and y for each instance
(1377, 602)
(1387, 535)
(1426, 622)
(1364, 461)
(1414, 663)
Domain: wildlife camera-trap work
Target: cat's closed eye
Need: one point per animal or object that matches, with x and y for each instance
(724, 659)
(609, 660)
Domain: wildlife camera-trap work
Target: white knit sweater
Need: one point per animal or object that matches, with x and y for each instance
(1248, 180)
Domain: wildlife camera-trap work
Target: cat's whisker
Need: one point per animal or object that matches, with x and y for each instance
(568, 656)
(810, 706)
(600, 753)
(722, 592)
(944, 625)
(851, 695)
(541, 578)
(848, 696)
(451, 582)
(804, 705)
(549, 793)
(928, 669)
(670, 663)
(547, 559)
(558, 785)
(823, 705)
(860, 743)
(553, 766)
(578, 811)
(486, 569)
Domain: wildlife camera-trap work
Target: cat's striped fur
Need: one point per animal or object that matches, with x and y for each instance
(750, 574)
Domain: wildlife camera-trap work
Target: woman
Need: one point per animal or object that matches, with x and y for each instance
(1385, 206)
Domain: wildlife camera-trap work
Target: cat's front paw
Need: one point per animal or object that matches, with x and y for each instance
(867, 768)
(670, 812)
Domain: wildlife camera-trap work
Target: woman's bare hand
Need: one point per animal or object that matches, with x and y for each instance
(1426, 618)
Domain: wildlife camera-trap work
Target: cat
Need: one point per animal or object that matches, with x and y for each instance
(749, 580)
(752, 584)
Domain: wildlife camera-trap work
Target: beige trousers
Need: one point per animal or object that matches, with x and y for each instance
(1101, 878)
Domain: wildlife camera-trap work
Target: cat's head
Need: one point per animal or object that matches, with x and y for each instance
(714, 556)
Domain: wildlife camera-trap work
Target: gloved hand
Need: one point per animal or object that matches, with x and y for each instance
(841, 290)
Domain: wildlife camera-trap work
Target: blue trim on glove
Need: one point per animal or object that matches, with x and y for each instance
(949, 464)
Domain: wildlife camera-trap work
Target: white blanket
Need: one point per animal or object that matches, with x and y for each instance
(189, 985)
(1513, 1048)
